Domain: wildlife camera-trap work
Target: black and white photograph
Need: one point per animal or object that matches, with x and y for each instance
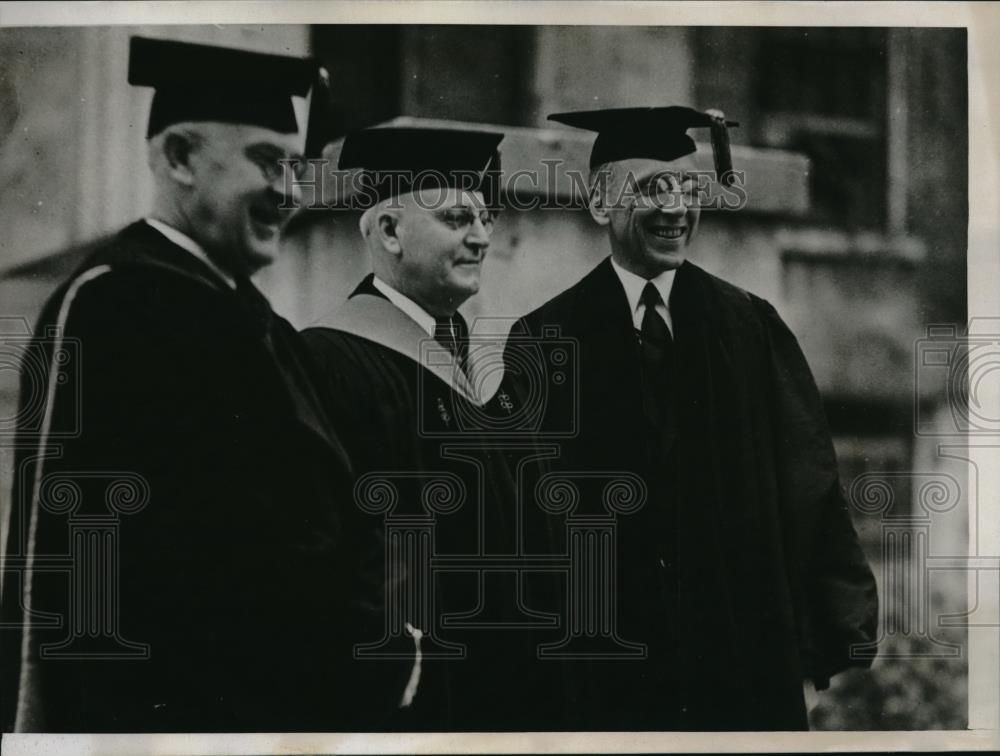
(556, 376)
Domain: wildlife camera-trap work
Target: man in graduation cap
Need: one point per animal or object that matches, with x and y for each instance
(401, 372)
(190, 430)
(742, 575)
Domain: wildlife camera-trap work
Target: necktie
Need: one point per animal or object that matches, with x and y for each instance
(452, 334)
(654, 331)
(444, 334)
(656, 350)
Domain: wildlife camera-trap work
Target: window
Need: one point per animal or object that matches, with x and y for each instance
(823, 92)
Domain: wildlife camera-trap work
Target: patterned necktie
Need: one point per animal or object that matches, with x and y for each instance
(452, 334)
(444, 334)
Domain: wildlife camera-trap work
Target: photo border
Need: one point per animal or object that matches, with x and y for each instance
(983, 23)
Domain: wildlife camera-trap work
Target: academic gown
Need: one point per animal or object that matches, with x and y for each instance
(742, 574)
(419, 421)
(185, 422)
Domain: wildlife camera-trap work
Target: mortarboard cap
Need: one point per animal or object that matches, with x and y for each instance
(397, 160)
(207, 83)
(659, 133)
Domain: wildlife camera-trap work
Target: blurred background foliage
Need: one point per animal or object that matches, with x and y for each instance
(910, 686)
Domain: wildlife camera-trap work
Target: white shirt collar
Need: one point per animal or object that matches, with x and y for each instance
(634, 285)
(417, 313)
(184, 241)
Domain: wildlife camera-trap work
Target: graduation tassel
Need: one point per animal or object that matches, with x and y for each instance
(719, 131)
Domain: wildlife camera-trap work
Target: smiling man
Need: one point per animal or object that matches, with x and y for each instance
(742, 575)
(190, 430)
(400, 371)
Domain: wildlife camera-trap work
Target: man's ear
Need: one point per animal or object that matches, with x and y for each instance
(597, 205)
(178, 148)
(387, 229)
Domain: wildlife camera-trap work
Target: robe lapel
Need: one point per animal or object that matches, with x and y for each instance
(604, 305)
(147, 248)
(611, 360)
(707, 422)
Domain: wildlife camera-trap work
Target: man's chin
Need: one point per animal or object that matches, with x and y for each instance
(259, 256)
(663, 257)
(461, 288)
(262, 240)
(465, 279)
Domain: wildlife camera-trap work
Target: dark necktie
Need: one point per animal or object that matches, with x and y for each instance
(654, 330)
(656, 348)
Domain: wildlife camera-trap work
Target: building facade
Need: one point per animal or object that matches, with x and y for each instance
(853, 141)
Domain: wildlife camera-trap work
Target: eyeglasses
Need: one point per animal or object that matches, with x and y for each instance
(272, 171)
(274, 163)
(461, 218)
(668, 182)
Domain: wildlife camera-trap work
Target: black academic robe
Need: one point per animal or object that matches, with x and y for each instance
(742, 574)
(178, 469)
(423, 426)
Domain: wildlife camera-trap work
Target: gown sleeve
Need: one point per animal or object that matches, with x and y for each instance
(840, 607)
(364, 397)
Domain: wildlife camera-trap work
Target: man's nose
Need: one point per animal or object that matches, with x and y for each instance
(670, 200)
(673, 204)
(284, 184)
(288, 188)
(478, 236)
